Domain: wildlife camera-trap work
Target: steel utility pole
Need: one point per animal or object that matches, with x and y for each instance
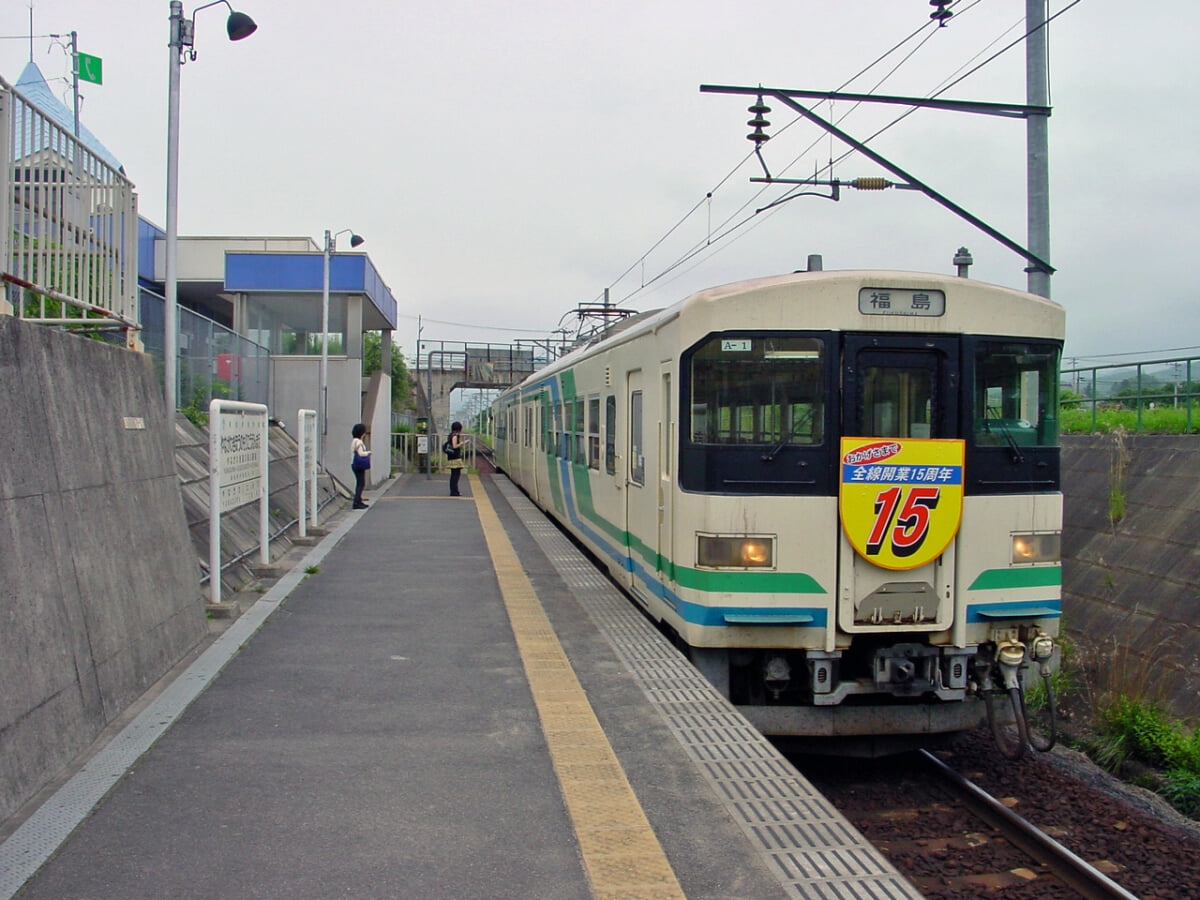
(1037, 94)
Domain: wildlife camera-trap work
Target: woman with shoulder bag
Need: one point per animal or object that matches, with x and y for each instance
(454, 460)
(360, 461)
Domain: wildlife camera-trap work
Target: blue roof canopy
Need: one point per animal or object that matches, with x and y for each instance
(277, 273)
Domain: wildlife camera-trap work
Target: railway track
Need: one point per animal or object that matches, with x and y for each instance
(1034, 832)
(1085, 879)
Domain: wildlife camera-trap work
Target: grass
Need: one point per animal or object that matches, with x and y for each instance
(312, 570)
(1075, 419)
(1113, 707)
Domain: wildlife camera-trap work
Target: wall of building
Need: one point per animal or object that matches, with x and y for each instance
(1131, 587)
(295, 385)
(99, 585)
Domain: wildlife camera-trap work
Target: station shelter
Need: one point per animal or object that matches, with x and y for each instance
(269, 293)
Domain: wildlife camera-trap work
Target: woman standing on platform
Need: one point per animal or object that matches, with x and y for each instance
(454, 460)
(360, 462)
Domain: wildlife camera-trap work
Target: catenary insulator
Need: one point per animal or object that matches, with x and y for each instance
(759, 122)
(873, 183)
(940, 14)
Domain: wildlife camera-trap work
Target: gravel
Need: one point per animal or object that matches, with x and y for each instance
(1137, 839)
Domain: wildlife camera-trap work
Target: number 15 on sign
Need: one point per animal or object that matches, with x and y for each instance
(911, 522)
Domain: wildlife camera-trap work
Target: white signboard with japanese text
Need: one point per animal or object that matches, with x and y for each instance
(241, 445)
(238, 466)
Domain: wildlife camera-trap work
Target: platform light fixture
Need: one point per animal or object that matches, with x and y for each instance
(238, 26)
(323, 406)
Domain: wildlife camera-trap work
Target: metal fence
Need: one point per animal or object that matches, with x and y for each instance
(406, 458)
(68, 225)
(1156, 395)
(214, 362)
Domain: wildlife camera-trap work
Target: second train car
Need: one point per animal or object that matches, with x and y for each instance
(839, 492)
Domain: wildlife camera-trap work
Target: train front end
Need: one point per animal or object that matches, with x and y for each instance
(869, 477)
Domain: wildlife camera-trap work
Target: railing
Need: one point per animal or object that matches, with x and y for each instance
(1157, 395)
(405, 457)
(68, 226)
(486, 363)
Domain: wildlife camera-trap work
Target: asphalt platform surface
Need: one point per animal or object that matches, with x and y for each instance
(376, 738)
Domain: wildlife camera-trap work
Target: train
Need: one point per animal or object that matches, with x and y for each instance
(838, 492)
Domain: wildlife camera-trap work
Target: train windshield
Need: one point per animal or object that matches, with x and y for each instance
(1016, 394)
(758, 390)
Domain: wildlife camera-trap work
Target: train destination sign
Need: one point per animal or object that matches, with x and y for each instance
(901, 302)
(901, 498)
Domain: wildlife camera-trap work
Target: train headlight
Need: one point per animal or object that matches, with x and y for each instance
(722, 552)
(1037, 548)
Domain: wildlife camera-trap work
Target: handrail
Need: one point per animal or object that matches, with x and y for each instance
(1149, 385)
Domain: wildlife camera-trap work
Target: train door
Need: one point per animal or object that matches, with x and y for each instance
(901, 387)
(640, 498)
(536, 456)
(666, 472)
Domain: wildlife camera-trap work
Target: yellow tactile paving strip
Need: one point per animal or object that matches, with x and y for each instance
(621, 854)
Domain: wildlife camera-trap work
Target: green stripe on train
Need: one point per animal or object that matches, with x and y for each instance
(748, 582)
(1027, 577)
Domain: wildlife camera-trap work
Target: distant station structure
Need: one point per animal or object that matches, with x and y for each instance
(444, 367)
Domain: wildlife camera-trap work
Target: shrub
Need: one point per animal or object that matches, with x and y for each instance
(1143, 732)
(1181, 789)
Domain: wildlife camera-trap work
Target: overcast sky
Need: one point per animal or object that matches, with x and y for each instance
(507, 161)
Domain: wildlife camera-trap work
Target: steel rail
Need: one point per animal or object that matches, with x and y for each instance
(1073, 871)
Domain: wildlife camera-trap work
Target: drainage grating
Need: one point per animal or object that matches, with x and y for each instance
(813, 850)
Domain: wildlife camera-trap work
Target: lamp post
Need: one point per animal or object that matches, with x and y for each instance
(323, 407)
(238, 26)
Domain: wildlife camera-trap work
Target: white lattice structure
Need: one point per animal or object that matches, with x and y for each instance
(68, 225)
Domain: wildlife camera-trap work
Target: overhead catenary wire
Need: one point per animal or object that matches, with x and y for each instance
(724, 228)
(424, 318)
(725, 231)
(732, 228)
(745, 223)
(728, 227)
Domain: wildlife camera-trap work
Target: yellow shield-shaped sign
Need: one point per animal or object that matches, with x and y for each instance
(901, 498)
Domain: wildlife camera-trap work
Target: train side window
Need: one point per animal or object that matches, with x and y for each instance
(637, 461)
(1016, 394)
(753, 412)
(558, 431)
(610, 434)
(593, 425)
(580, 457)
(665, 466)
(757, 390)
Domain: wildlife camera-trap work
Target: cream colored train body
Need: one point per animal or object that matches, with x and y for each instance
(756, 463)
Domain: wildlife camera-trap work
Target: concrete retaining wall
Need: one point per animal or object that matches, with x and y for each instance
(1131, 588)
(99, 584)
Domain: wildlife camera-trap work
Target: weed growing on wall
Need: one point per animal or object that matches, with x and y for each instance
(1116, 477)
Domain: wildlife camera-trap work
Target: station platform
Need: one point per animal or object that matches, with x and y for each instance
(442, 699)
